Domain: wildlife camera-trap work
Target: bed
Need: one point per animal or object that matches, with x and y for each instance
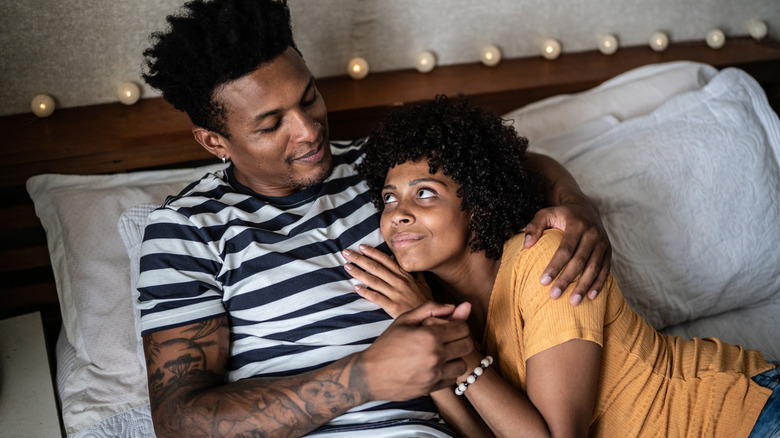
(680, 151)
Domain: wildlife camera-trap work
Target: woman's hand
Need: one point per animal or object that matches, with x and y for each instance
(386, 283)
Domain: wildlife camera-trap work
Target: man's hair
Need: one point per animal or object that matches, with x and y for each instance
(210, 43)
(472, 146)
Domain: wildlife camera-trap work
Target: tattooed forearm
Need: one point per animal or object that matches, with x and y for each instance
(190, 397)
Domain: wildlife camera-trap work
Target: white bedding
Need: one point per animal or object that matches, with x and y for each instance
(678, 134)
(690, 195)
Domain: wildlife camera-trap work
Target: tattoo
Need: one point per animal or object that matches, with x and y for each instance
(189, 395)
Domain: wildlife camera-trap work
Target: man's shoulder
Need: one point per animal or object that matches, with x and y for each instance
(347, 151)
(207, 187)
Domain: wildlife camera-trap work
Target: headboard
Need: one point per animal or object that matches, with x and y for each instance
(114, 138)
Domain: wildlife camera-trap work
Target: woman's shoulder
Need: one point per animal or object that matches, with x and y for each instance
(545, 247)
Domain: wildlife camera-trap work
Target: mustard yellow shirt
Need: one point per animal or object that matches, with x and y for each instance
(650, 384)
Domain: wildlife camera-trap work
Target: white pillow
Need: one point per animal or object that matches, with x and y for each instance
(690, 196)
(631, 94)
(131, 230)
(92, 273)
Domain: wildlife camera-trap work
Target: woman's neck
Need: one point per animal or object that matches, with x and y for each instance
(471, 279)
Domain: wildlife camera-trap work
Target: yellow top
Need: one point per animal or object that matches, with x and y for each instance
(650, 384)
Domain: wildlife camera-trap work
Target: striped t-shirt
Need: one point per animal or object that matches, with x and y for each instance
(274, 267)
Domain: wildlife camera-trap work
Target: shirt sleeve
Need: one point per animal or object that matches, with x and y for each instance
(548, 322)
(178, 282)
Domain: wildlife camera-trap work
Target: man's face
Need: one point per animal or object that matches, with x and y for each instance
(278, 127)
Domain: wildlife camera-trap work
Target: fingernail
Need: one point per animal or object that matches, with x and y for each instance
(527, 240)
(348, 267)
(593, 294)
(555, 293)
(575, 299)
(362, 247)
(546, 279)
(347, 252)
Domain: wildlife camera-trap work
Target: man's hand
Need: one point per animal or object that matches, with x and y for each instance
(585, 249)
(386, 284)
(421, 352)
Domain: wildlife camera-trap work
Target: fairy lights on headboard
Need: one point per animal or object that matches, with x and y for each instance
(550, 48)
(128, 93)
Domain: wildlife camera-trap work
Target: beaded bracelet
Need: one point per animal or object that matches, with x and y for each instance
(460, 389)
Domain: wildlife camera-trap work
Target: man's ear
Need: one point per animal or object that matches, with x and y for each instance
(211, 141)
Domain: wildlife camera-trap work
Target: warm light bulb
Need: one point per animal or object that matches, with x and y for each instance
(358, 68)
(550, 48)
(426, 61)
(715, 38)
(757, 29)
(608, 44)
(491, 55)
(42, 105)
(128, 93)
(659, 41)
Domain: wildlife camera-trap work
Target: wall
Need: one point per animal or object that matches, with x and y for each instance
(79, 51)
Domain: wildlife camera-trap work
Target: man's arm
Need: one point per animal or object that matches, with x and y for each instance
(585, 247)
(189, 396)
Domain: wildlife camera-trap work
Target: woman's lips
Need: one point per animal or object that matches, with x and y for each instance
(405, 239)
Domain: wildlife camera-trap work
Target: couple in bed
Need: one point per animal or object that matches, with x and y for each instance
(250, 325)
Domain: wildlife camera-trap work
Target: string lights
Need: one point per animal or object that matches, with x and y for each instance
(490, 55)
(42, 105)
(128, 93)
(659, 41)
(608, 44)
(550, 48)
(357, 68)
(757, 29)
(715, 38)
(425, 61)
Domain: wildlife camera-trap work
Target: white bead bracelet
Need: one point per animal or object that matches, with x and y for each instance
(461, 388)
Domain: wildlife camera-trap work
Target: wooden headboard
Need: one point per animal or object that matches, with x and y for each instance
(113, 138)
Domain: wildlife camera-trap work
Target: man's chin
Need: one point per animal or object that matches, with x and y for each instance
(324, 173)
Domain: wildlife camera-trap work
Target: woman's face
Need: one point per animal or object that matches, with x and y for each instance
(422, 221)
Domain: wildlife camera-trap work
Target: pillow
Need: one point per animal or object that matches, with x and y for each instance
(753, 327)
(690, 196)
(131, 230)
(629, 95)
(92, 274)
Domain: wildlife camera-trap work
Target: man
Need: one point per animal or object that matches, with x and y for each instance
(249, 322)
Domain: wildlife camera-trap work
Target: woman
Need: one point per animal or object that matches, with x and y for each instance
(450, 181)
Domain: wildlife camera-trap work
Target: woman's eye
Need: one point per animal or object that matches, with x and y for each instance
(425, 193)
(388, 198)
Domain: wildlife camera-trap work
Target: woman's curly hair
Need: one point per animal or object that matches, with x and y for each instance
(472, 146)
(210, 43)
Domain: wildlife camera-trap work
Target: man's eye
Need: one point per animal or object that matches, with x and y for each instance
(425, 193)
(312, 100)
(271, 129)
(388, 198)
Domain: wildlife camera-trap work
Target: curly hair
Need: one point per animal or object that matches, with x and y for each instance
(475, 148)
(210, 43)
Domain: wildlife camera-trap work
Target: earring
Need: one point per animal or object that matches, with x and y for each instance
(224, 159)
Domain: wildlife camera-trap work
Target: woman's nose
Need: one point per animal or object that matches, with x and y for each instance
(402, 214)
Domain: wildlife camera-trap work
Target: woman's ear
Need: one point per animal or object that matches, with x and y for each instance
(211, 141)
